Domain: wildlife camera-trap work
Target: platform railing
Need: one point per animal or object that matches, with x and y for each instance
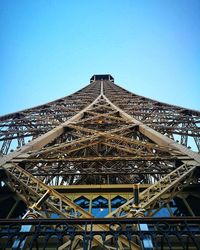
(164, 233)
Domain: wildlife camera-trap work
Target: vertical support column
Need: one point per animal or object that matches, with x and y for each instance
(109, 204)
(138, 212)
(90, 205)
(136, 195)
(101, 87)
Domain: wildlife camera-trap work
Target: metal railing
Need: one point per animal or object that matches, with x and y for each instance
(148, 233)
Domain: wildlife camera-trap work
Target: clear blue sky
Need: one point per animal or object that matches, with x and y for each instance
(50, 48)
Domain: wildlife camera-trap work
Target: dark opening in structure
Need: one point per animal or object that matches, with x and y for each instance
(101, 77)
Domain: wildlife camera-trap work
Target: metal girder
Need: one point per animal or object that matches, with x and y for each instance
(38, 120)
(100, 133)
(98, 138)
(160, 192)
(44, 139)
(100, 158)
(160, 116)
(160, 139)
(33, 189)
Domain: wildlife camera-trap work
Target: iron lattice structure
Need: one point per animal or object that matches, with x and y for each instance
(88, 165)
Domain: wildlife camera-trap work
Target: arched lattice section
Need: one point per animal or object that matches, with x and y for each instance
(100, 207)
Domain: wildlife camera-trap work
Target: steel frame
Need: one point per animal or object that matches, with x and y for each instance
(106, 131)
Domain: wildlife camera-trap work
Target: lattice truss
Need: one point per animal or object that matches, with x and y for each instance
(21, 127)
(178, 123)
(102, 134)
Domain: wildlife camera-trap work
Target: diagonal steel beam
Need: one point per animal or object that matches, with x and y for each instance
(155, 136)
(57, 203)
(48, 137)
(151, 196)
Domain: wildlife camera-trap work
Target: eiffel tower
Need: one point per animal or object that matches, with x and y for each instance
(102, 168)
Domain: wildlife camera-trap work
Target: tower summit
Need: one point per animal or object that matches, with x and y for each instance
(102, 168)
(106, 77)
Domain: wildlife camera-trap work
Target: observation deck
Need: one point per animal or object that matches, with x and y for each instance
(105, 77)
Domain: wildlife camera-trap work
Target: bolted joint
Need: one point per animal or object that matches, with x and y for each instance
(32, 214)
(137, 212)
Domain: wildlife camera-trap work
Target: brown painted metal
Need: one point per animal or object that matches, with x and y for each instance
(102, 134)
